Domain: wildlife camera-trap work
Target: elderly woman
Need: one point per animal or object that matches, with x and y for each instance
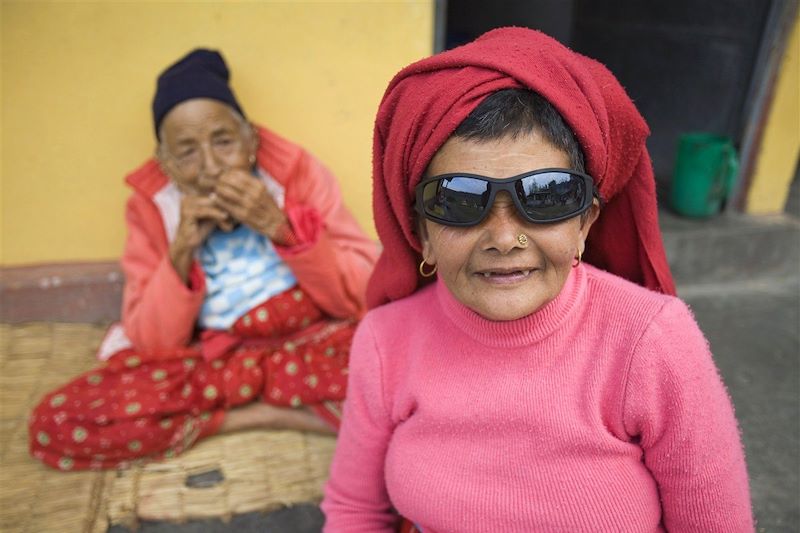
(245, 274)
(526, 389)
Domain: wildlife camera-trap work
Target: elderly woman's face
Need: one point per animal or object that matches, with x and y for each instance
(485, 266)
(202, 138)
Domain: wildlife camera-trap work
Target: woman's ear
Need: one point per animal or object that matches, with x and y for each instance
(427, 249)
(589, 218)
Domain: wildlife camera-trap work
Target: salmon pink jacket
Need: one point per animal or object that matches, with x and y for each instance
(332, 260)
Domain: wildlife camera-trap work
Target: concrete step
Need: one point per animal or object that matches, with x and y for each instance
(734, 249)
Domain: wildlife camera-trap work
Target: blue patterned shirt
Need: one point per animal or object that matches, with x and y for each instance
(242, 270)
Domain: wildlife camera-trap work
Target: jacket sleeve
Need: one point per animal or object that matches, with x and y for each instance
(356, 499)
(158, 310)
(335, 257)
(677, 406)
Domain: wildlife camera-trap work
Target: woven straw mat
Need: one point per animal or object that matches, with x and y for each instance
(260, 470)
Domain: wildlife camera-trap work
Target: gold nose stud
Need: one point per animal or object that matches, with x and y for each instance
(522, 239)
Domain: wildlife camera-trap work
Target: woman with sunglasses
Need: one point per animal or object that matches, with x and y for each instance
(525, 366)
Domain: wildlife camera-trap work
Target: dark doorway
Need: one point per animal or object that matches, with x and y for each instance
(687, 65)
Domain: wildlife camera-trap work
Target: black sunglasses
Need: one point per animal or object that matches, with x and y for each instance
(541, 196)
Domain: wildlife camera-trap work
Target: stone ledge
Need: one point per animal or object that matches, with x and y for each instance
(731, 248)
(65, 292)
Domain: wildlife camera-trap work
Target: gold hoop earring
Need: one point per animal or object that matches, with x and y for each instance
(422, 270)
(577, 260)
(522, 239)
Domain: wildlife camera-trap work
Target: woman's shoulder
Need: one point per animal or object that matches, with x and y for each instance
(657, 326)
(620, 297)
(147, 179)
(602, 281)
(277, 154)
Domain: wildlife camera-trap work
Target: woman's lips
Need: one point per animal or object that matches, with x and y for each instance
(505, 276)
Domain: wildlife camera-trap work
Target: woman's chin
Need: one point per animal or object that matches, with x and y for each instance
(503, 301)
(507, 310)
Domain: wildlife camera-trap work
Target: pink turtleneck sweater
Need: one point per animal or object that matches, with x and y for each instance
(602, 411)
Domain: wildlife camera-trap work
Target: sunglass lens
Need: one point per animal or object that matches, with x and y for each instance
(456, 199)
(552, 195)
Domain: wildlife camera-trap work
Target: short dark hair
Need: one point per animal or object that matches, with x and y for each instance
(515, 112)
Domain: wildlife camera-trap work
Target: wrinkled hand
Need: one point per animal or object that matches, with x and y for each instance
(248, 201)
(199, 216)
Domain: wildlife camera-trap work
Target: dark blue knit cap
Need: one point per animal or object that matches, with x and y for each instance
(200, 74)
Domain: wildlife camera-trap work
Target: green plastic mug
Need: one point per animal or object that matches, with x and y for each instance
(705, 171)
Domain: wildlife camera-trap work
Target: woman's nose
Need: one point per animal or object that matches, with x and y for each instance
(502, 226)
(211, 165)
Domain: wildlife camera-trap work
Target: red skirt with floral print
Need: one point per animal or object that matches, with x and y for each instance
(135, 408)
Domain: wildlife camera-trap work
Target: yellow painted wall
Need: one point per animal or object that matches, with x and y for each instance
(77, 80)
(780, 145)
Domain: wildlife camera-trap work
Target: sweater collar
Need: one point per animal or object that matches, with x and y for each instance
(521, 332)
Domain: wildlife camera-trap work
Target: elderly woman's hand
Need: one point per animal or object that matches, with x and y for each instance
(199, 216)
(249, 202)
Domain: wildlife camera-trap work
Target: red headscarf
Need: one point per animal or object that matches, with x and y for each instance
(427, 100)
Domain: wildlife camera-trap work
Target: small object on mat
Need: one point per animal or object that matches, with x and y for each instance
(205, 479)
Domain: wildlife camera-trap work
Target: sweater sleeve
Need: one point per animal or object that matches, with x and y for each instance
(677, 407)
(356, 499)
(158, 310)
(334, 258)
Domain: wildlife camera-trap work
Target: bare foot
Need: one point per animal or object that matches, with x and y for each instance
(264, 416)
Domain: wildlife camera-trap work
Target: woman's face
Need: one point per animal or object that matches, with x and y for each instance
(202, 138)
(485, 267)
